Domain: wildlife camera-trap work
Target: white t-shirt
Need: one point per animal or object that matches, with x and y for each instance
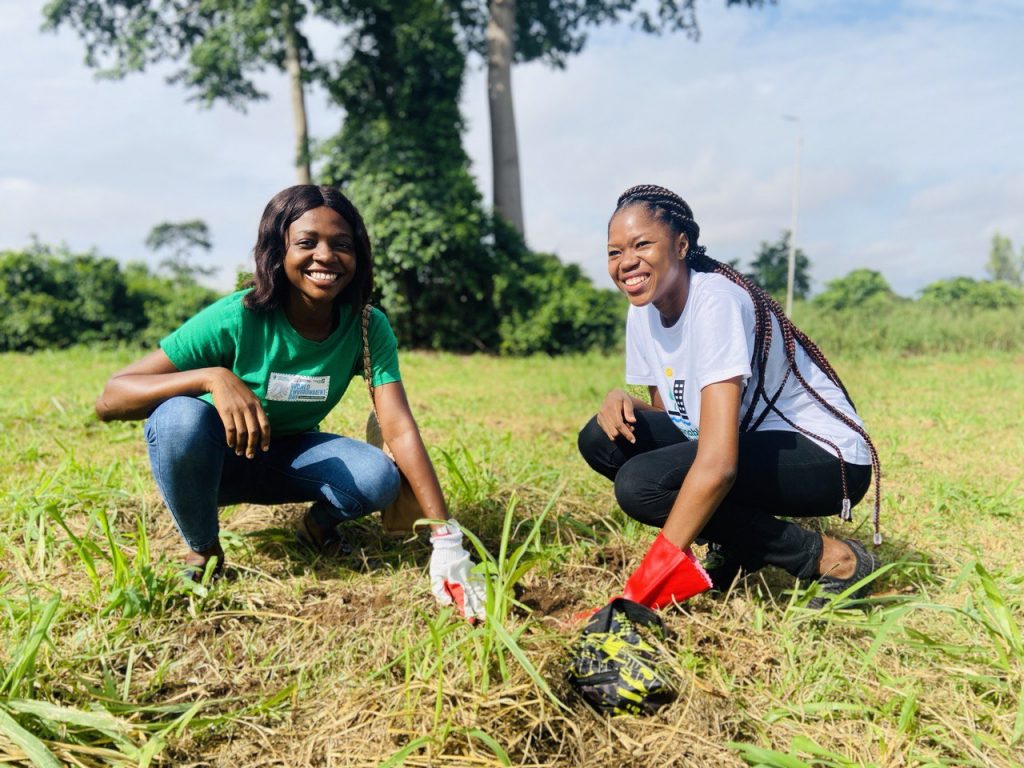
(712, 341)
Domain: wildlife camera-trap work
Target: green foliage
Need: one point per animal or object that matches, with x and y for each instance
(553, 31)
(1003, 264)
(166, 302)
(223, 44)
(966, 292)
(54, 298)
(399, 156)
(860, 288)
(770, 269)
(546, 306)
(179, 237)
(910, 328)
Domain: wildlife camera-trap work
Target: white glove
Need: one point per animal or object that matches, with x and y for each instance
(450, 578)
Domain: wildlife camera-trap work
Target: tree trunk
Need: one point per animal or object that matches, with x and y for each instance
(508, 201)
(293, 65)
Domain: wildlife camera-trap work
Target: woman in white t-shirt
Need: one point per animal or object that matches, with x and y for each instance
(748, 422)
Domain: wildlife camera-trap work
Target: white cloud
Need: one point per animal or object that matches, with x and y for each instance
(890, 107)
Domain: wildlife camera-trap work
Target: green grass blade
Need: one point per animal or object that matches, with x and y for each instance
(104, 722)
(1005, 621)
(493, 745)
(26, 654)
(398, 758)
(517, 653)
(767, 758)
(36, 751)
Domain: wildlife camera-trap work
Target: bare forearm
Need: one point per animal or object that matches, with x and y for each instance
(134, 396)
(412, 458)
(703, 490)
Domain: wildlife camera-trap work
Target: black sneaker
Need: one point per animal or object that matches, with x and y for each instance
(830, 585)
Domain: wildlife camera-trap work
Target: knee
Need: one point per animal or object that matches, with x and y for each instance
(183, 424)
(639, 497)
(381, 482)
(594, 445)
(628, 492)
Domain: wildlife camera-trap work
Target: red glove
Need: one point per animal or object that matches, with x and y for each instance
(666, 573)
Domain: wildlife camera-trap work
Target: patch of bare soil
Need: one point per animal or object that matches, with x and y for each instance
(548, 598)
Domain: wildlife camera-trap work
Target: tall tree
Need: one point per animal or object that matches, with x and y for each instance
(551, 30)
(177, 240)
(1003, 264)
(508, 196)
(221, 44)
(400, 155)
(770, 268)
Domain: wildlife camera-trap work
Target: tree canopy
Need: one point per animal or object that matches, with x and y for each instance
(399, 156)
(178, 240)
(859, 288)
(770, 268)
(1003, 264)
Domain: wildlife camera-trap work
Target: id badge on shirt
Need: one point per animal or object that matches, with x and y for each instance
(290, 387)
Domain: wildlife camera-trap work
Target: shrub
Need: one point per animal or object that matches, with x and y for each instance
(165, 303)
(862, 287)
(53, 298)
(961, 292)
(546, 306)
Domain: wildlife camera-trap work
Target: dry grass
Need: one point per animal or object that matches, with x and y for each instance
(295, 660)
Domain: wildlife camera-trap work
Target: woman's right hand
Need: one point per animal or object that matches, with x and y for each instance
(616, 416)
(246, 426)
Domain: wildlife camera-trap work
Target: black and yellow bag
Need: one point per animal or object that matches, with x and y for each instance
(614, 668)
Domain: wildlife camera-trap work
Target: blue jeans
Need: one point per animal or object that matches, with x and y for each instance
(197, 472)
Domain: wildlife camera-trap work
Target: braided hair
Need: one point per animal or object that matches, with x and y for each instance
(669, 208)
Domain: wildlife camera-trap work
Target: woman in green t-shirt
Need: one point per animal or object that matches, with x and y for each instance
(273, 360)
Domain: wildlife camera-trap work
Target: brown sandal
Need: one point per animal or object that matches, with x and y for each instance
(196, 562)
(317, 539)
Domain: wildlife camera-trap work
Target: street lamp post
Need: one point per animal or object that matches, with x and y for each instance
(791, 270)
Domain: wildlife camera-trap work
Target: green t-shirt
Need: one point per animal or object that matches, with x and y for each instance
(297, 381)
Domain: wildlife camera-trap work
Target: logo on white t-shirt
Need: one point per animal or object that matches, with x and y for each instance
(677, 410)
(290, 387)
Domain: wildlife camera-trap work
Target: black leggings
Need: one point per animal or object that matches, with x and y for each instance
(778, 473)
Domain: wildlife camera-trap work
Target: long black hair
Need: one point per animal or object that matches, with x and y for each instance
(269, 283)
(673, 211)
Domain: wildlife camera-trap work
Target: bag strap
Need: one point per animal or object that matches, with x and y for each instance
(367, 367)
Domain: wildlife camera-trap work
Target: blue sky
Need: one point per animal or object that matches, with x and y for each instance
(911, 118)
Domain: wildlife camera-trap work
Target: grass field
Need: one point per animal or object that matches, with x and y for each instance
(108, 658)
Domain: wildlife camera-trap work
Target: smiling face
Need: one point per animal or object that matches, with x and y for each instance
(647, 262)
(319, 259)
